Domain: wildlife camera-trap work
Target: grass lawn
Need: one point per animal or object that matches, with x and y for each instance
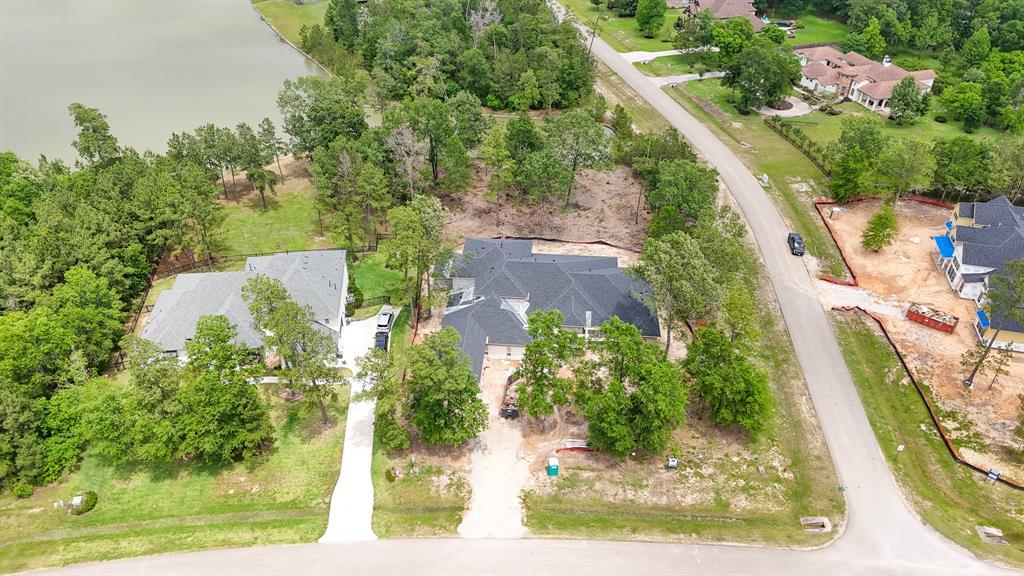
(673, 65)
(622, 34)
(948, 496)
(289, 222)
(818, 29)
(280, 497)
(289, 17)
(617, 91)
(824, 128)
(372, 277)
(793, 181)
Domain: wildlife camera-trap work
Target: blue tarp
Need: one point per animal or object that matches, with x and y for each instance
(983, 319)
(945, 245)
(949, 224)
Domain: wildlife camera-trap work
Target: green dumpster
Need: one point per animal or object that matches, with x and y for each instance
(552, 466)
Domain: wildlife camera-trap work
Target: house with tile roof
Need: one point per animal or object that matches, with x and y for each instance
(318, 279)
(852, 76)
(497, 284)
(980, 239)
(722, 9)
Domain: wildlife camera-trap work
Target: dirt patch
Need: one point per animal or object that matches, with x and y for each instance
(498, 467)
(603, 209)
(981, 421)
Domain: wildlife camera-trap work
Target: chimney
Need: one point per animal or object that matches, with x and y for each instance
(886, 61)
(587, 320)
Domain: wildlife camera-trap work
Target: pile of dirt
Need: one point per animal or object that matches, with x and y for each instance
(906, 272)
(602, 208)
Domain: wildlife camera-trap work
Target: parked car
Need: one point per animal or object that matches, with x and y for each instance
(796, 244)
(380, 341)
(384, 320)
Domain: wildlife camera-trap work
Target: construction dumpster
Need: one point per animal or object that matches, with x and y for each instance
(932, 318)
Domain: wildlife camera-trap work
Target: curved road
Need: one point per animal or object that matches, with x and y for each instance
(883, 535)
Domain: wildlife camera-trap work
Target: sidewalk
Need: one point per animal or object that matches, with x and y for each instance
(352, 501)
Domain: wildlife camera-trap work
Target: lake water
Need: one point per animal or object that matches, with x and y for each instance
(152, 66)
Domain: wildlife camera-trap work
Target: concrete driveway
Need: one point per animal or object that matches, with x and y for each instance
(352, 499)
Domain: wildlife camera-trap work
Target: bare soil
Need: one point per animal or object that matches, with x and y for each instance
(603, 208)
(980, 420)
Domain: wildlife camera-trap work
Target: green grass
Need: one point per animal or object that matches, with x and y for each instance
(818, 29)
(947, 495)
(673, 65)
(372, 277)
(622, 34)
(289, 17)
(282, 496)
(289, 223)
(823, 128)
(793, 181)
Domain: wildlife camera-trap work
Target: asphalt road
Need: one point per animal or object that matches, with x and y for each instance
(882, 536)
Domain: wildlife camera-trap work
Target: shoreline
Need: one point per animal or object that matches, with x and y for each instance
(259, 14)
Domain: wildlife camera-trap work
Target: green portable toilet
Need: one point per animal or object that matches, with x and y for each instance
(552, 466)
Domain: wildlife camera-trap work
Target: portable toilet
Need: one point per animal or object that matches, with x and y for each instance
(552, 466)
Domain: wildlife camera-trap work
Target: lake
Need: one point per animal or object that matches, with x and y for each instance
(153, 67)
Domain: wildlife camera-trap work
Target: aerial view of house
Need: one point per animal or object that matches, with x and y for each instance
(318, 279)
(981, 238)
(856, 77)
(722, 9)
(497, 284)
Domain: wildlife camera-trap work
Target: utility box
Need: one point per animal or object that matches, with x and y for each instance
(552, 466)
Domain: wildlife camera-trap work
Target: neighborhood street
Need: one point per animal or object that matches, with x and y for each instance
(882, 535)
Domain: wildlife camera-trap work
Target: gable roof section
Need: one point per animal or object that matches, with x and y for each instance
(997, 235)
(311, 278)
(571, 284)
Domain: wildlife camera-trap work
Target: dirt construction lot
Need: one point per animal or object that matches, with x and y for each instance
(980, 421)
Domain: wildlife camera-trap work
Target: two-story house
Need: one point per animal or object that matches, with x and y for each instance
(980, 239)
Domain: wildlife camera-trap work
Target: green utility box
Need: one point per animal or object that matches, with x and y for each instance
(552, 466)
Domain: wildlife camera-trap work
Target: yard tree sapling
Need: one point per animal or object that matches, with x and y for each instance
(579, 140)
(682, 284)
(542, 174)
(1004, 301)
(650, 16)
(272, 145)
(221, 416)
(907, 102)
(417, 242)
(632, 397)
(868, 41)
(94, 143)
(522, 137)
(882, 229)
(762, 73)
(377, 369)
(733, 389)
(262, 180)
(444, 404)
(904, 165)
(552, 347)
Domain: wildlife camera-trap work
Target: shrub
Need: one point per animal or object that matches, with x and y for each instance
(89, 502)
(357, 297)
(941, 118)
(21, 489)
(881, 229)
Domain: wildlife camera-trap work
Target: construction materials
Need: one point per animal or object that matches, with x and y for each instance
(932, 318)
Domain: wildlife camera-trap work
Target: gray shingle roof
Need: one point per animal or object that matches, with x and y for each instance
(574, 285)
(997, 236)
(316, 279)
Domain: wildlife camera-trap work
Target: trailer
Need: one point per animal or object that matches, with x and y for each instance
(510, 399)
(932, 318)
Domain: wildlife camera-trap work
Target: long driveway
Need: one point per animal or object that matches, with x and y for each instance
(883, 535)
(352, 500)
